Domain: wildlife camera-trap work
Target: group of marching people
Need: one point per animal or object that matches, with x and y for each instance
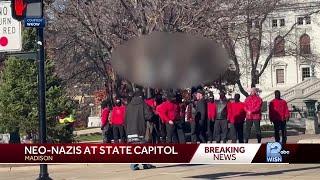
(162, 118)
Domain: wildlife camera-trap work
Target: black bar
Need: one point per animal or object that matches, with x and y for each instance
(43, 175)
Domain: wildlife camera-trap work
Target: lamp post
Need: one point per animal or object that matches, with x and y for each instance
(91, 109)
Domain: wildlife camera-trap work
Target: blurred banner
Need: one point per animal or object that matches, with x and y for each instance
(160, 153)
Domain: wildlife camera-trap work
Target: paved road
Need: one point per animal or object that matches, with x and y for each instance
(168, 172)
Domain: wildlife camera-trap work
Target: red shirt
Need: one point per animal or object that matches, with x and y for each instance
(151, 102)
(278, 110)
(118, 115)
(104, 116)
(252, 106)
(236, 113)
(168, 111)
(212, 111)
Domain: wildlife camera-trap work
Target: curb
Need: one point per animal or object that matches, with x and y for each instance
(309, 141)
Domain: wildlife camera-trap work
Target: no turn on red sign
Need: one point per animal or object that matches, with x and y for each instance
(10, 29)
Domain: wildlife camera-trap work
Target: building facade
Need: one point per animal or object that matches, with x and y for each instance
(294, 33)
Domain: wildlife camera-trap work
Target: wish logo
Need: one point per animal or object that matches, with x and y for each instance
(275, 152)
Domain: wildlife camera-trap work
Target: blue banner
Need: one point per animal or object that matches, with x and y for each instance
(34, 22)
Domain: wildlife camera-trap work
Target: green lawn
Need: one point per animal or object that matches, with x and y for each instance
(89, 137)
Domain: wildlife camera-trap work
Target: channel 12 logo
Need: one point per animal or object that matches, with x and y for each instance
(275, 152)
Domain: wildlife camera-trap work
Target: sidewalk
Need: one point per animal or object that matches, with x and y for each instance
(122, 171)
(302, 138)
(87, 131)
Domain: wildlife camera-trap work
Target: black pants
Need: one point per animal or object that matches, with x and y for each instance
(202, 131)
(256, 124)
(280, 125)
(221, 130)
(194, 134)
(107, 133)
(163, 132)
(171, 133)
(156, 133)
(118, 133)
(180, 131)
(210, 130)
(236, 132)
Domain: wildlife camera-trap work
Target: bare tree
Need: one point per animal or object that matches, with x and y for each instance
(83, 34)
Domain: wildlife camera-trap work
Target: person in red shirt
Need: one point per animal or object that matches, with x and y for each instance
(236, 117)
(252, 106)
(152, 128)
(105, 125)
(117, 121)
(279, 115)
(212, 114)
(169, 113)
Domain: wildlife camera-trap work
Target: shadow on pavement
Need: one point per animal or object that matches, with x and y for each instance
(180, 165)
(239, 174)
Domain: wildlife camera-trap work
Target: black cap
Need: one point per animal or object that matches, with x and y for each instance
(138, 93)
(201, 91)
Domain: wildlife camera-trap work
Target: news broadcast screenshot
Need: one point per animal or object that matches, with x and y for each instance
(159, 89)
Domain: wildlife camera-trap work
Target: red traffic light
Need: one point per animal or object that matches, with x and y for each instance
(18, 9)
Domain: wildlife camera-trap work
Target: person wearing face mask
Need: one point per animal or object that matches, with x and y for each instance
(137, 114)
(169, 114)
(212, 114)
(253, 106)
(279, 115)
(105, 124)
(201, 116)
(117, 120)
(221, 123)
(152, 131)
(236, 117)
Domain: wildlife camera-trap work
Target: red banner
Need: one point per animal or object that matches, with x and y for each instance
(96, 153)
(160, 153)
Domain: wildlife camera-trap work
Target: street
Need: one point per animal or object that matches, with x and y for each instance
(122, 171)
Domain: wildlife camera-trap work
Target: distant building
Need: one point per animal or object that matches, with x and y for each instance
(94, 122)
(295, 66)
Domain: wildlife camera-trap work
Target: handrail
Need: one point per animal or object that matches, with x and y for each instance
(291, 90)
(310, 88)
(293, 115)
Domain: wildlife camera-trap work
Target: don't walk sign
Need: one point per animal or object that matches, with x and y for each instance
(10, 29)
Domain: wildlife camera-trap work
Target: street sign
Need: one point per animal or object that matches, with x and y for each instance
(10, 29)
(34, 22)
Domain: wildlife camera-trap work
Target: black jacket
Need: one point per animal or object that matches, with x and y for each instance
(137, 114)
(221, 109)
(201, 110)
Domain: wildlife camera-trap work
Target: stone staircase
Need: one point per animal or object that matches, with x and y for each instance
(307, 89)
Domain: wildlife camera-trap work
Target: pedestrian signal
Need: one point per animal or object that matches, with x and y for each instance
(18, 8)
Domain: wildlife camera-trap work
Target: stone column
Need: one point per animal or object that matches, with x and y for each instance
(311, 119)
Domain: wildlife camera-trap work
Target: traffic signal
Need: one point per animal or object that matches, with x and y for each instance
(18, 8)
